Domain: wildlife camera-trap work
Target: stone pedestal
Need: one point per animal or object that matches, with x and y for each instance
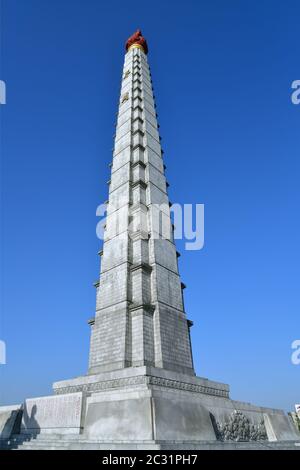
(147, 404)
(146, 408)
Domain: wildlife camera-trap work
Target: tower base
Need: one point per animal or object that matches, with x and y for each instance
(146, 407)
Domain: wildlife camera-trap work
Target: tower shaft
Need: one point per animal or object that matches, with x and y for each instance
(140, 318)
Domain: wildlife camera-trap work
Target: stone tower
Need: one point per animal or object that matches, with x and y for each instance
(140, 318)
(141, 390)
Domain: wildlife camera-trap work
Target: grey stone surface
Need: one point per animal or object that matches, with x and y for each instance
(125, 377)
(138, 411)
(139, 415)
(120, 420)
(279, 428)
(182, 420)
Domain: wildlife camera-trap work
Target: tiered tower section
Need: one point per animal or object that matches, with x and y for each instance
(140, 318)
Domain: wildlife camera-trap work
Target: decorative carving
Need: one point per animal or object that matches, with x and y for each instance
(239, 428)
(127, 73)
(142, 380)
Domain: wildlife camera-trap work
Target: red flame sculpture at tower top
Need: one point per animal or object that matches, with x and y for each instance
(137, 38)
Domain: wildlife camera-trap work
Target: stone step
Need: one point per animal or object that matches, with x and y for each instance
(79, 441)
(83, 444)
(56, 437)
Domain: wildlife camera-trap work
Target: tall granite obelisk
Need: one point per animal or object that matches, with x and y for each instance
(140, 318)
(141, 390)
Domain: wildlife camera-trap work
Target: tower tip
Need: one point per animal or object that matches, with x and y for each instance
(137, 40)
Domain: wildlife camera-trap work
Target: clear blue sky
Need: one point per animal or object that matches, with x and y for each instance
(222, 72)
